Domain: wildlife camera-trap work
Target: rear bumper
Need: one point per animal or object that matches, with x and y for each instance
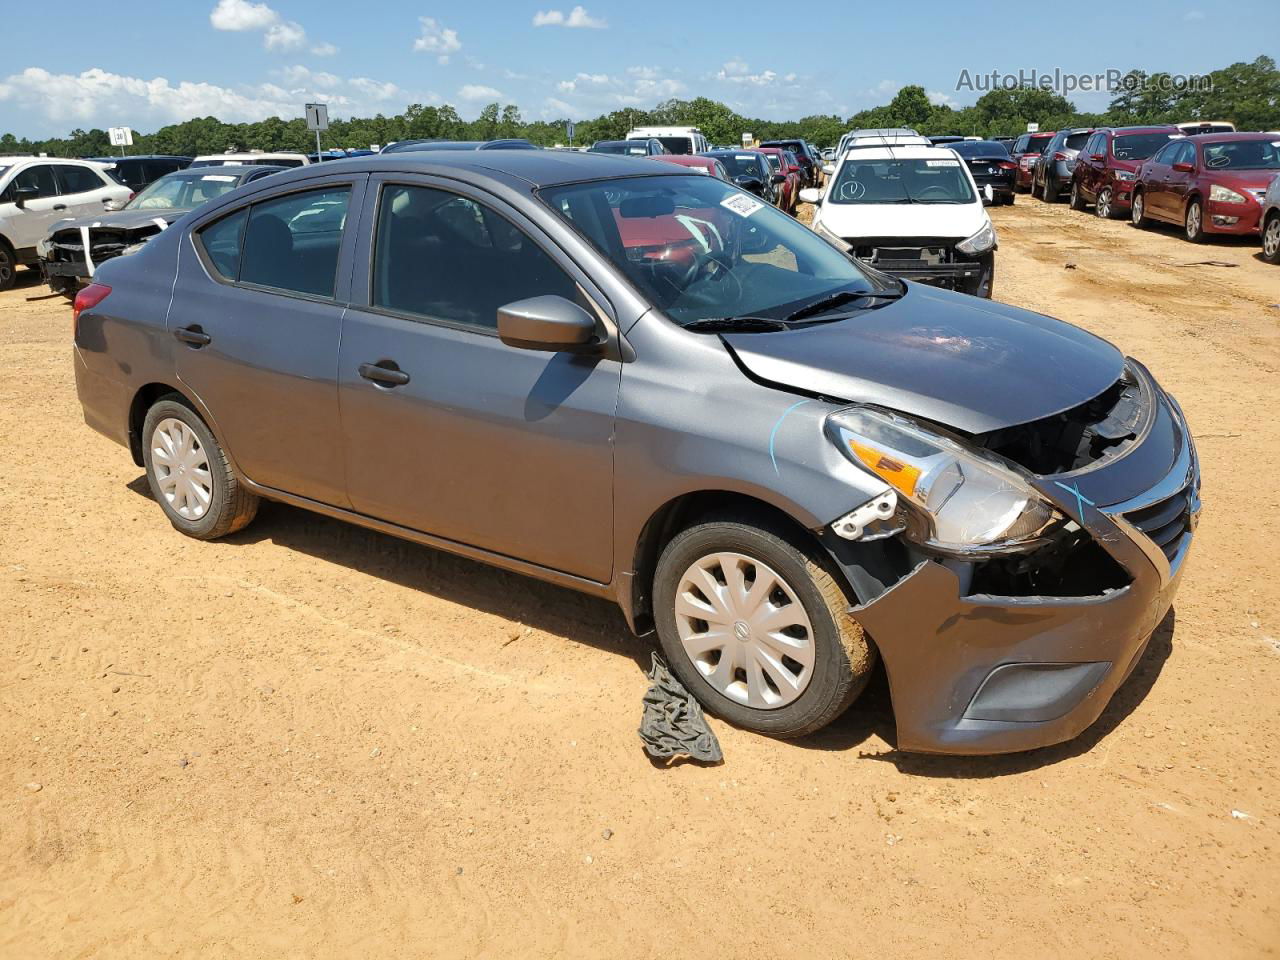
(983, 674)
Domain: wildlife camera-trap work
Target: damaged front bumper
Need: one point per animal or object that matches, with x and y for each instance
(71, 254)
(974, 673)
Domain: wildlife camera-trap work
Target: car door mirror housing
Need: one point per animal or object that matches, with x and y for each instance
(113, 205)
(548, 323)
(810, 195)
(22, 194)
(1184, 167)
(779, 178)
(829, 169)
(750, 184)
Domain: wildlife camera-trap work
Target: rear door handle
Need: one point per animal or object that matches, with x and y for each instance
(385, 375)
(193, 336)
(59, 206)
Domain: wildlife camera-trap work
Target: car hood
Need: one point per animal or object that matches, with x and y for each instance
(124, 219)
(1241, 179)
(852, 220)
(958, 360)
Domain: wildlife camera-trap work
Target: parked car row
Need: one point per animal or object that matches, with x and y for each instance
(1208, 183)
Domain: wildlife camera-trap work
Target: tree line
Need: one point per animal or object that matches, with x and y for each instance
(1247, 94)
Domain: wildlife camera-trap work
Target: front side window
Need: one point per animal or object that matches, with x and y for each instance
(78, 179)
(39, 176)
(700, 249)
(1185, 153)
(1165, 154)
(287, 243)
(447, 257)
(939, 180)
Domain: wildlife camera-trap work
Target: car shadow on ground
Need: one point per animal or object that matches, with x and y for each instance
(1131, 693)
(543, 606)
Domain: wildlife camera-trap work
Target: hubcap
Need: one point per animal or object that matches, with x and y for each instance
(1104, 203)
(745, 630)
(6, 268)
(1137, 209)
(182, 469)
(1193, 220)
(1271, 241)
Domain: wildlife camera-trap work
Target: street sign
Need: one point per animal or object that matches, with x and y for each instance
(748, 139)
(121, 136)
(317, 116)
(569, 128)
(1033, 128)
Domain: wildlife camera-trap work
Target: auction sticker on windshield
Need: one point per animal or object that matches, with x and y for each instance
(741, 204)
(220, 178)
(942, 163)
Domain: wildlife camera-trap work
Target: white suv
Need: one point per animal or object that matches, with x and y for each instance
(37, 192)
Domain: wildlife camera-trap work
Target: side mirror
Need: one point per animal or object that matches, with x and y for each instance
(987, 193)
(548, 323)
(1184, 167)
(22, 194)
(111, 205)
(829, 169)
(778, 178)
(810, 195)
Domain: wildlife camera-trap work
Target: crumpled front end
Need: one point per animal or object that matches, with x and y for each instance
(1015, 652)
(71, 254)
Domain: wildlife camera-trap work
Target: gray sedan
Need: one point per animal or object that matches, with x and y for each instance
(650, 386)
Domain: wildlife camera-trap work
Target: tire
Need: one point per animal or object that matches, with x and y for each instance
(8, 266)
(1103, 206)
(1271, 239)
(840, 659)
(1051, 191)
(1193, 221)
(227, 505)
(1137, 210)
(1077, 200)
(1034, 190)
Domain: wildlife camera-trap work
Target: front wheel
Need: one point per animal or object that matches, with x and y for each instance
(1194, 223)
(755, 626)
(1103, 207)
(8, 266)
(1077, 199)
(190, 475)
(1138, 210)
(1271, 239)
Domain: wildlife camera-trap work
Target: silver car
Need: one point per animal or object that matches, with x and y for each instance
(651, 386)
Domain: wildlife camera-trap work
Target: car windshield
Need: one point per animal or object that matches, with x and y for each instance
(981, 148)
(182, 192)
(1243, 155)
(1139, 146)
(638, 148)
(700, 249)
(938, 180)
(741, 164)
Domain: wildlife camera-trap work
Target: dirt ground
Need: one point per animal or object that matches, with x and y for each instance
(309, 740)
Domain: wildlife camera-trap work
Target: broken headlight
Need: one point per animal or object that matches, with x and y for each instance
(964, 501)
(980, 242)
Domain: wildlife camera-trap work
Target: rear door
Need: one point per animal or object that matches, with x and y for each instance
(257, 311)
(500, 448)
(1155, 182)
(1179, 183)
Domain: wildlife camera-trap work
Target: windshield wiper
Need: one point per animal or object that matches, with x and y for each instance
(735, 325)
(836, 300)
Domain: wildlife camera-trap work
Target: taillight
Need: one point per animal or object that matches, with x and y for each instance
(1060, 156)
(87, 299)
(132, 194)
(1007, 165)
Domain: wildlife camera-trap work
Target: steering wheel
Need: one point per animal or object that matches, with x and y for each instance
(711, 266)
(939, 193)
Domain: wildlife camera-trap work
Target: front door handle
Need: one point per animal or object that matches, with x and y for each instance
(387, 376)
(193, 336)
(59, 206)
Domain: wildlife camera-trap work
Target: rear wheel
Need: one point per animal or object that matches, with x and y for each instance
(1193, 224)
(190, 475)
(1077, 200)
(1103, 206)
(1051, 190)
(754, 624)
(1138, 210)
(8, 266)
(1271, 239)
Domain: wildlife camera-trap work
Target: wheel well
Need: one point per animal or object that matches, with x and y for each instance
(142, 401)
(679, 514)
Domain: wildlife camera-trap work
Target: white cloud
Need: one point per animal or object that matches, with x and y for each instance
(278, 33)
(477, 91)
(299, 76)
(575, 18)
(737, 71)
(938, 98)
(375, 90)
(734, 68)
(438, 39)
(583, 79)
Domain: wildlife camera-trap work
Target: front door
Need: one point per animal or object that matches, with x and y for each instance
(31, 224)
(447, 429)
(257, 311)
(1179, 183)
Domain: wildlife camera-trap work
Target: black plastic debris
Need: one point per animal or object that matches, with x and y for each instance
(673, 724)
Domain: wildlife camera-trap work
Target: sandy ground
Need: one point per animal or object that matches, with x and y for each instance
(312, 740)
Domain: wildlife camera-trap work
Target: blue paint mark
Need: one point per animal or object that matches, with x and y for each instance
(1081, 499)
(774, 434)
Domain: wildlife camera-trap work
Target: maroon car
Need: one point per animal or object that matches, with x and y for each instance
(1108, 164)
(1026, 152)
(1211, 183)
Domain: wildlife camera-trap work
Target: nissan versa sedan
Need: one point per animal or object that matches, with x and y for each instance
(651, 386)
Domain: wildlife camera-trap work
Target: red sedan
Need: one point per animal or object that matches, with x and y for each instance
(707, 165)
(1208, 184)
(788, 167)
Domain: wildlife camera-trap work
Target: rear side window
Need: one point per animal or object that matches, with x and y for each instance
(78, 179)
(445, 256)
(290, 243)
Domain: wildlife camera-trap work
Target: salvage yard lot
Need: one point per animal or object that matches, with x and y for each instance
(314, 740)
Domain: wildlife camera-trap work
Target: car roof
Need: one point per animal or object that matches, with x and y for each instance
(27, 158)
(1229, 137)
(1142, 128)
(235, 170)
(536, 168)
(905, 152)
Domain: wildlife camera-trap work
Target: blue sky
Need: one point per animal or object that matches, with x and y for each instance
(243, 60)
